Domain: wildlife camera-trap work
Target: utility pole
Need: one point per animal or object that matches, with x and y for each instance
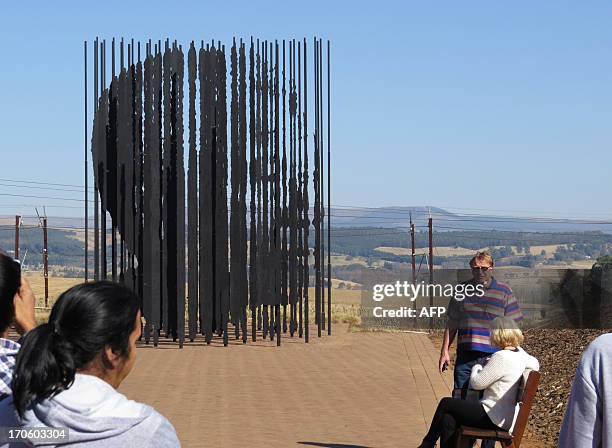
(413, 254)
(46, 261)
(17, 224)
(430, 226)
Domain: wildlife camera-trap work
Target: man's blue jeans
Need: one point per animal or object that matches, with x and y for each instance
(466, 359)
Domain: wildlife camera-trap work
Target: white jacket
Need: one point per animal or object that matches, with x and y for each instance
(499, 379)
(98, 416)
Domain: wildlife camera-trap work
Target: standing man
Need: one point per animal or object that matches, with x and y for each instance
(469, 320)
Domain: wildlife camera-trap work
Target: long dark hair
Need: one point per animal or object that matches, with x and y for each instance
(10, 279)
(83, 322)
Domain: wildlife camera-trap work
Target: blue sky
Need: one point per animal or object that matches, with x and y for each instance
(473, 105)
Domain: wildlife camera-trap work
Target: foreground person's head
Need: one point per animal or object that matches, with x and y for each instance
(92, 329)
(10, 275)
(505, 333)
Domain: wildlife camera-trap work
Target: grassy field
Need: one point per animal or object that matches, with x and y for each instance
(579, 264)
(550, 250)
(441, 251)
(345, 260)
(57, 285)
(447, 251)
(345, 303)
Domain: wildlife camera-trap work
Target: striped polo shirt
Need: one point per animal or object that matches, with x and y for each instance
(473, 315)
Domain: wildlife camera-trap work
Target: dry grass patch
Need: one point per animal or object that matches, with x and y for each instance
(441, 251)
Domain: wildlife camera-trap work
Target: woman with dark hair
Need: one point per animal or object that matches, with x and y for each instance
(68, 370)
(16, 307)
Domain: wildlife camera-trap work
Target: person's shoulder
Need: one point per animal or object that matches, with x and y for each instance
(601, 345)
(8, 347)
(8, 357)
(165, 435)
(505, 355)
(532, 361)
(597, 358)
(501, 286)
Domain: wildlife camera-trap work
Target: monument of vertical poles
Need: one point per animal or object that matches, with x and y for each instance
(222, 234)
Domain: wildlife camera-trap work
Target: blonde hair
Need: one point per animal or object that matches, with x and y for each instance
(482, 255)
(505, 332)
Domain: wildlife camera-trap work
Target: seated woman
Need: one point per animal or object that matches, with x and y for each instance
(499, 379)
(68, 370)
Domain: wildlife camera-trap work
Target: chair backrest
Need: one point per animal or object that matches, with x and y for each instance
(525, 400)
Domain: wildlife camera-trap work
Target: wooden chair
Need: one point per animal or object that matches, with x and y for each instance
(525, 398)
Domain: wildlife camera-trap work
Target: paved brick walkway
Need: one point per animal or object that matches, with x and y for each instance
(349, 390)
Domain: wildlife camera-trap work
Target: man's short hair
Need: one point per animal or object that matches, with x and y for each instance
(484, 256)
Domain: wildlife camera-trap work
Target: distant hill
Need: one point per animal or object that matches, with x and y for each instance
(443, 220)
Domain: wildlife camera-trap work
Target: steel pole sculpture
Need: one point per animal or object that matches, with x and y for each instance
(251, 254)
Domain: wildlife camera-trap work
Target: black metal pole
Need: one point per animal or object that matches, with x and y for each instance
(329, 273)
(192, 198)
(322, 184)
(96, 204)
(306, 205)
(243, 187)
(277, 199)
(86, 164)
(255, 283)
(284, 254)
(103, 178)
(317, 187)
(302, 259)
(114, 188)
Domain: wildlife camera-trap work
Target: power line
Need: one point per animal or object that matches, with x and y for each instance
(41, 197)
(40, 188)
(59, 217)
(38, 205)
(44, 183)
(405, 211)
